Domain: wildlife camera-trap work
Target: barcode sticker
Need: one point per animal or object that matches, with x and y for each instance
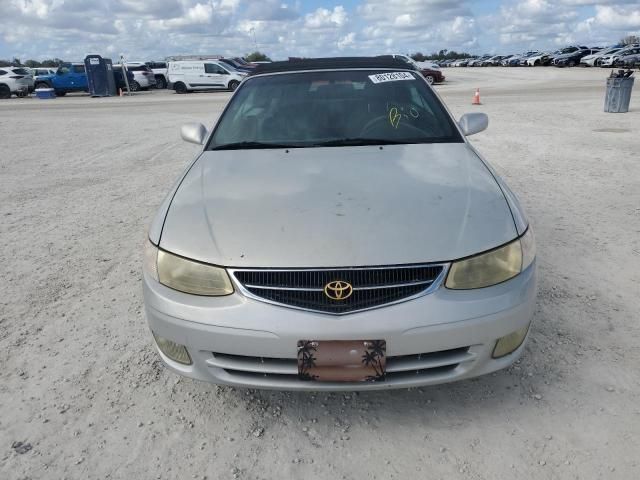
(390, 77)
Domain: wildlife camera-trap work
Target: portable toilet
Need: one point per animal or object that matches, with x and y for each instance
(100, 76)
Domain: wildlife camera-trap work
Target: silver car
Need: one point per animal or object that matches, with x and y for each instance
(338, 232)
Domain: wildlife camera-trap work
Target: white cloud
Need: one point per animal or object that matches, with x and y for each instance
(618, 18)
(347, 41)
(323, 18)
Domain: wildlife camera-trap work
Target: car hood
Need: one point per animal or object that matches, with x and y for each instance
(328, 207)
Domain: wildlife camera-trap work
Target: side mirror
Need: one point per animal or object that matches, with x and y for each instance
(193, 133)
(472, 123)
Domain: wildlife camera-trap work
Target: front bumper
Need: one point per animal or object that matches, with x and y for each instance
(240, 341)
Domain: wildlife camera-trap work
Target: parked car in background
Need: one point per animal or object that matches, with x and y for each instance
(540, 59)
(594, 59)
(493, 61)
(628, 58)
(69, 77)
(613, 59)
(231, 63)
(159, 70)
(40, 71)
(432, 75)
(514, 60)
(461, 62)
(428, 64)
(479, 62)
(508, 59)
(566, 51)
(15, 81)
(242, 62)
(119, 77)
(572, 59)
(523, 59)
(143, 76)
(411, 62)
(190, 75)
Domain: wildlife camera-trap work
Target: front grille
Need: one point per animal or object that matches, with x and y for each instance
(371, 287)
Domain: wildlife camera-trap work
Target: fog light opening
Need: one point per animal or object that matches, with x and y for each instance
(509, 343)
(175, 351)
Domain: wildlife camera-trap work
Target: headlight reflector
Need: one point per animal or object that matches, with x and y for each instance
(493, 267)
(192, 277)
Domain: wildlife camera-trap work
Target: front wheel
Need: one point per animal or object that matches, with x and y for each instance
(430, 80)
(134, 86)
(572, 63)
(161, 82)
(5, 92)
(233, 84)
(180, 87)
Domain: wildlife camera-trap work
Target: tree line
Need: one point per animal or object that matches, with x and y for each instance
(443, 54)
(51, 62)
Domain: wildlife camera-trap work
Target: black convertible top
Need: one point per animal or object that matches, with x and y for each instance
(296, 65)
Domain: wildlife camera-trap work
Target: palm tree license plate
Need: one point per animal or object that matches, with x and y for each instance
(342, 360)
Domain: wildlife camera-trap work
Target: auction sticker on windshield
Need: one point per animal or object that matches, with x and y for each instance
(391, 77)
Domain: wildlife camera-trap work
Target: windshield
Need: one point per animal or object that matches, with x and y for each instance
(354, 107)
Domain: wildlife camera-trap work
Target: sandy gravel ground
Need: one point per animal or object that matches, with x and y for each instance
(83, 395)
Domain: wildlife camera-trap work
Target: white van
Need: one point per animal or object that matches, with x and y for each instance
(190, 75)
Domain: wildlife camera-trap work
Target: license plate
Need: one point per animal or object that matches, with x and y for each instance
(342, 360)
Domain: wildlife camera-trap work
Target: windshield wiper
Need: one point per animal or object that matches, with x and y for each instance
(251, 145)
(348, 142)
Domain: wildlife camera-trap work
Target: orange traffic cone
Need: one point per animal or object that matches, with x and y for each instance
(476, 98)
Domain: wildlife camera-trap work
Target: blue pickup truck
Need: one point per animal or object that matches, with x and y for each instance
(70, 77)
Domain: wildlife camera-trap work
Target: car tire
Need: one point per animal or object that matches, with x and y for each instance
(41, 85)
(161, 82)
(180, 87)
(5, 92)
(233, 84)
(134, 86)
(60, 94)
(430, 80)
(571, 63)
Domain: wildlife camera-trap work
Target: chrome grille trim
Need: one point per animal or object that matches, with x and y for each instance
(301, 289)
(429, 285)
(409, 364)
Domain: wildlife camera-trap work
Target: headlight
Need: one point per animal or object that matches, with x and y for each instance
(186, 275)
(493, 267)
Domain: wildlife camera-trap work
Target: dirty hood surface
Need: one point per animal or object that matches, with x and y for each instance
(330, 207)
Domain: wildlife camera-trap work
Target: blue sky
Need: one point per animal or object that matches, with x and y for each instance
(153, 29)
